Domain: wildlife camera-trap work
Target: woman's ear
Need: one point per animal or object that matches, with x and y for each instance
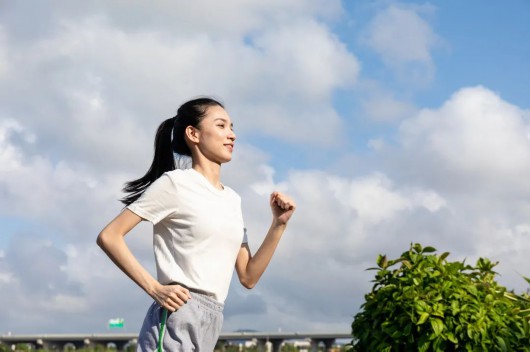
(192, 134)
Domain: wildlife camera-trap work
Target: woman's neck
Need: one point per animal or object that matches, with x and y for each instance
(211, 171)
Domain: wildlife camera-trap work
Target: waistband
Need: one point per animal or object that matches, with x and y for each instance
(206, 300)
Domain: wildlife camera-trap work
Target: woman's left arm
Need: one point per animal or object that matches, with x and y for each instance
(249, 268)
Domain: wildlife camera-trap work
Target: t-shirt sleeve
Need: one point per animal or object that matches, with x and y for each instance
(157, 202)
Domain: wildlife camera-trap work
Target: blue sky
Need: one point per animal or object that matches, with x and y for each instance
(480, 43)
(389, 122)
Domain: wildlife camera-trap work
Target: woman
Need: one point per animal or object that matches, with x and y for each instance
(198, 227)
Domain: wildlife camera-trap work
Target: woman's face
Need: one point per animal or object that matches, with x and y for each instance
(216, 136)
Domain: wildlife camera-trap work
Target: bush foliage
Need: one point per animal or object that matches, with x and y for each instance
(429, 304)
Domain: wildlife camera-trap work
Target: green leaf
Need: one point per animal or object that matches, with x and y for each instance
(421, 306)
(451, 337)
(443, 256)
(382, 261)
(423, 317)
(437, 325)
(470, 333)
(437, 344)
(407, 330)
(424, 346)
(455, 307)
(472, 289)
(429, 249)
(407, 264)
(501, 344)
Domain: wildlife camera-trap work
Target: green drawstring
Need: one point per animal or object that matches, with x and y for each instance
(162, 330)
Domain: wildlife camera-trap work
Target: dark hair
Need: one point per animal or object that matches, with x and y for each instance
(190, 113)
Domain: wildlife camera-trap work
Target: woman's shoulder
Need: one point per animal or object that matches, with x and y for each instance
(174, 173)
(170, 178)
(179, 174)
(181, 177)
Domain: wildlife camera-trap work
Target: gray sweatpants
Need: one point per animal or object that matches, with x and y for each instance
(193, 327)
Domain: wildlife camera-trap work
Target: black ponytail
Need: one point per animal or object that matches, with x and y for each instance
(169, 139)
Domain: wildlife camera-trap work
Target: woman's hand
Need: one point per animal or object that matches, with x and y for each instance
(171, 297)
(282, 207)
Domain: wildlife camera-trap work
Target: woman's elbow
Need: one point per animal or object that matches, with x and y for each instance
(102, 240)
(247, 283)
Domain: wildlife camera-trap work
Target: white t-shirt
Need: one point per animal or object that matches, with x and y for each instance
(198, 230)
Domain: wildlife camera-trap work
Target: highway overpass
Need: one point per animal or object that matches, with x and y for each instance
(122, 340)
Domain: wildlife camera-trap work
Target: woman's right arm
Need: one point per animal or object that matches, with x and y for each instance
(111, 240)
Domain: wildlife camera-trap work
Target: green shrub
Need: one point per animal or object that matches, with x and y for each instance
(430, 304)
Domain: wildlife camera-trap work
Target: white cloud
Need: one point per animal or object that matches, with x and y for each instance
(96, 87)
(6, 278)
(267, 186)
(70, 304)
(9, 155)
(430, 200)
(404, 40)
(316, 59)
(36, 189)
(474, 152)
(474, 140)
(370, 198)
(227, 19)
(399, 33)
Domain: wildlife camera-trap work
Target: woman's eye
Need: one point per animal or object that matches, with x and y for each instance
(222, 126)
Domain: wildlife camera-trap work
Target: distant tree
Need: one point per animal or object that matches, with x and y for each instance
(429, 304)
(23, 347)
(288, 347)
